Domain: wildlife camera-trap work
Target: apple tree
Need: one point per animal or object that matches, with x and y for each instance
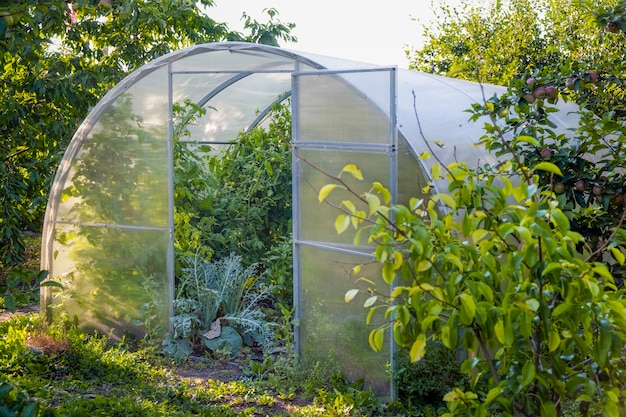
(498, 41)
(496, 267)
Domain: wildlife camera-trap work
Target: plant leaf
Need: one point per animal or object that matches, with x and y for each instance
(342, 223)
(549, 167)
(55, 284)
(468, 308)
(527, 139)
(376, 339)
(618, 255)
(373, 203)
(326, 190)
(370, 301)
(419, 348)
(352, 170)
(350, 294)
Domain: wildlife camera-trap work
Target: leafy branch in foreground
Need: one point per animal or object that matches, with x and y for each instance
(501, 267)
(496, 270)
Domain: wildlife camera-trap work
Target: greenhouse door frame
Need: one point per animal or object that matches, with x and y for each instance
(387, 147)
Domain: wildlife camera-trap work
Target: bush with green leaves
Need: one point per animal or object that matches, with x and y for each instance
(496, 266)
(218, 308)
(497, 41)
(422, 385)
(21, 287)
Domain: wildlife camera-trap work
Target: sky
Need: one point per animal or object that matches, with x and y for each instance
(376, 32)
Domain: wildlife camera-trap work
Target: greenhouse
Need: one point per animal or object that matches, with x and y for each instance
(109, 226)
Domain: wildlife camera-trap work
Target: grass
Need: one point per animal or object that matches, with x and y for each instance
(64, 372)
(75, 374)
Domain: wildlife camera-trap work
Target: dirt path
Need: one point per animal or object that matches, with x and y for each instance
(22, 311)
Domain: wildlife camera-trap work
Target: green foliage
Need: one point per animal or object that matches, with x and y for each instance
(22, 288)
(192, 186)
(269, 33)
(252, 206)
(500, 267)
(217, 306)
(498, 41)
(422, 385)
(238, 200)
(583, 169)
(59, 58)
(14, 402)
(612, 19)
(91, 377)
(350, 399)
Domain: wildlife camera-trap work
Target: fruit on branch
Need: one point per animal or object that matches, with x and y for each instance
(539, 92)
(580, 185)
(529, 98)
(559, 188)
(597, 190)
(546, 153)
(613, 26)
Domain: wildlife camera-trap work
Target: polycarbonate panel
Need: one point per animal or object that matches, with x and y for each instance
(230, 108)
(412, 178)
(346, 107)
(111, 276)
(120, 174)
(317, 220)
(235, 59)
(196, 86)
(332, 329)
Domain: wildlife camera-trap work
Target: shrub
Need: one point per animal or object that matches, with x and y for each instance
(422, 385)
(497, 266)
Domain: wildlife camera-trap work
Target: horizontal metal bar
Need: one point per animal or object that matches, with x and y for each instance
(328, 246)
(348, 146)
(345, 71)
(115, 226)
(241, 71)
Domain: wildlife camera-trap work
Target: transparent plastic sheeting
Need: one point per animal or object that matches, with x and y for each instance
(320, 225)
(332, 330)
(108, 230)
(107, 226)
(332, 111)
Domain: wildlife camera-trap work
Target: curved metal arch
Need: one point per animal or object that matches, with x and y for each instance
(262, 114)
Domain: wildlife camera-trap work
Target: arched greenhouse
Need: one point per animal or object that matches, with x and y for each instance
(108, 231)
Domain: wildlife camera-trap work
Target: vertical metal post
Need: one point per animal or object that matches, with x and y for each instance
(295, 207)
(393, 179)
(170, 153)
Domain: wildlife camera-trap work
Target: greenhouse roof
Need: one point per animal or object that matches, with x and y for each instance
(439, 102)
